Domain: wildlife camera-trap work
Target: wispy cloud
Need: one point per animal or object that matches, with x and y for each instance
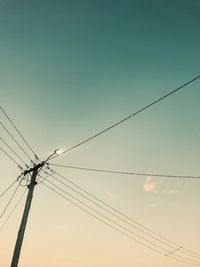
(149, 185)
(111, 195)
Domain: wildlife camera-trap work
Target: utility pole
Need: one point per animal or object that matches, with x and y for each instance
(21, 231)
(31, 186)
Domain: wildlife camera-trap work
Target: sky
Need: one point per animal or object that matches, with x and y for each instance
(69, 69)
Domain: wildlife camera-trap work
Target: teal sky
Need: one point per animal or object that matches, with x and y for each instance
(69, 69)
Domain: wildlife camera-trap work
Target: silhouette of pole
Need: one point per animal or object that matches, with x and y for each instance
(22, 228)
(31, 186)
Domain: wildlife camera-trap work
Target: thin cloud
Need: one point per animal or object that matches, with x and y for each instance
(149, 185)
(111, 195)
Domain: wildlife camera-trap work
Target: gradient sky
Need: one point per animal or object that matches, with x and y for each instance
(71, 68)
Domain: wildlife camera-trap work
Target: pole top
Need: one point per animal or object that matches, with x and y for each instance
(36, 167)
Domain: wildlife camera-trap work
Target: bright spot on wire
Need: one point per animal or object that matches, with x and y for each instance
(58, 151)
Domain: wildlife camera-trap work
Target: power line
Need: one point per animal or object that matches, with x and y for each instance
(9, 215)
(130, 116)
(124, 228)
(11, 158)
(8, 188)
(157, 237)
(116, 216)
(176, 257)
(13, 151)
(9, 201)
(109, 219)
(93, 214)
(125, 221)
(15, 140)
(122, 214)
(8, 117)
(127, 173)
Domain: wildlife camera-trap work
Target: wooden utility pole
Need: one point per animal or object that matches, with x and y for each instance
(21, 231)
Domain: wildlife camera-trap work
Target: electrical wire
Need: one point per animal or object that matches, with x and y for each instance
(125, 216)
(13, 151)
(7, 205)
(41, 178)
(176, 257)
(129, 117)
(175, 248)
(166, 254)
(116, 216)
(8, 188)
(126, 173)
(11, 158)
(93, 214)
(109, 219)
(9, 215)
(15, 140)
(8, 117)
